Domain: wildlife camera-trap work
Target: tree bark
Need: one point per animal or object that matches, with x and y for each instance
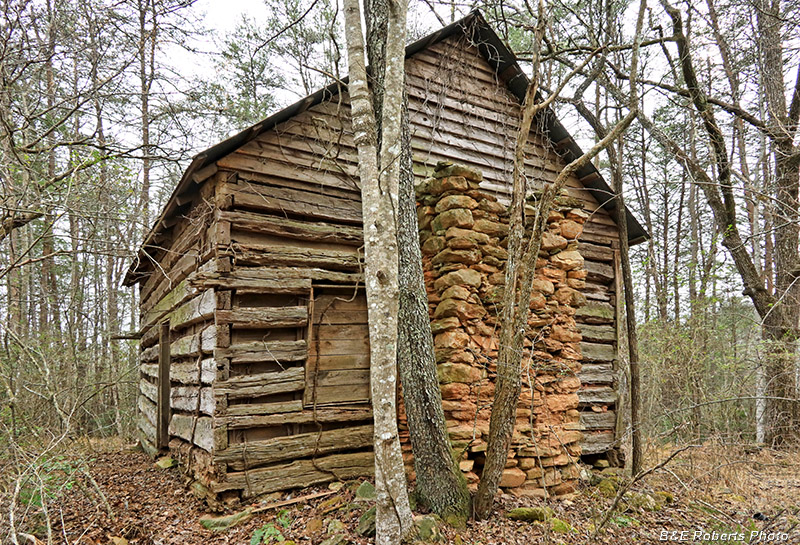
(439, 479)
(440, 483)
(379, 195)
(780, 327)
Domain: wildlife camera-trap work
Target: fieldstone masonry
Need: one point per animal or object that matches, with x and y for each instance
(463, 232)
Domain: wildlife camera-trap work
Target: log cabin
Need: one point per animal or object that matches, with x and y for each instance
(254, 351)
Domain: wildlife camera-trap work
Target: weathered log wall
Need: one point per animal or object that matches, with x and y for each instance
(292, 399)
(185, 250)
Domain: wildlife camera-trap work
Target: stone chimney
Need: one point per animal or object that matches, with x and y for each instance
(463, 232)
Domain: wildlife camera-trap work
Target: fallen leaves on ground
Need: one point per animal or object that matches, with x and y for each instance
(142, 504)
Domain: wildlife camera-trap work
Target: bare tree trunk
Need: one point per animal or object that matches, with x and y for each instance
(147, 45)
(439, 479)
(49, 306)
(781, 324)
(519, 275)
(379, 196)
(630, 322)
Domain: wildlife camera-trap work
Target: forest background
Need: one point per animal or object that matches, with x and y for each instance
(103, 104)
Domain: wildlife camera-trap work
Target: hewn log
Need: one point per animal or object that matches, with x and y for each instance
(295, 229)
(598, 333)
(147, 408)
(596, 313)
(258, 409)
(185, 398)
(261, 384)
(261, 318)
(145, 440)
(251, 169)
(306, 417)
(177, 295)
(596, 373)
(299, 474)
(149, 336)
(261, 254)
(597, 293)
(148, 431)
(595, 252)
(198, 309)
(597, 396)
(273, 277)
(264, 351)
(258, 453)
(598, 352)
(151, 353)
(149, 390)
(595, 443)
(599, 272)
(194, 429)
(186, 372)
(598, 421)
(193, 345)
(281, 200)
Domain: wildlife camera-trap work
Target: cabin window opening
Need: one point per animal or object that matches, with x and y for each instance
(337, 369)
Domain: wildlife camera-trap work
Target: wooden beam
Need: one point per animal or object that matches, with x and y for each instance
(259, 409)
(270, 317)
(264, 351)
(296, 229)
(194, 429)
(597, 396)
(304, 417)
(204, 173)
(262, 254)
(258, 453)
(162, 425)
(595, 443)
(261, 384)
(272, 277)
(298, 474)
(591, 177)
(598, 421)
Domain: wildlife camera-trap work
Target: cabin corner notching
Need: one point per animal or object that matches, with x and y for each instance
(255, 351)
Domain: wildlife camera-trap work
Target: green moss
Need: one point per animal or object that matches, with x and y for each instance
(665, 497)
(428, 528)
(366, 523)
(530, 514)
(561, 527)
(365, 491)
(608, 487)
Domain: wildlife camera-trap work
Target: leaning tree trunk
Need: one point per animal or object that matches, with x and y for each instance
(519, 275)
(630, 322)
(439, 479)
(778, 311)
(379, 192)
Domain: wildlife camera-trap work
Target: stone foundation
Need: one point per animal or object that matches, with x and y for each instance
(463, 234)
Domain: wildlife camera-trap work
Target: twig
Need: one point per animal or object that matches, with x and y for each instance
(292, 501)
(625, 487)
(100, 493)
